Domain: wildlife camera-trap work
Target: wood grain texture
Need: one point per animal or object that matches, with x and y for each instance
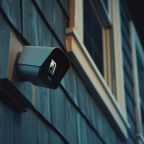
(47, 8)
(42, 102)
(34, 29)
(4, 48)
(30, 22)
(6, 125)
(65, 5)
(128, 71)
(59, 23)
(12, 9)
(75, 115)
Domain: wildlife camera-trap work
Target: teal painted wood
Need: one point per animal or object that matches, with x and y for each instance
(54, 139)
(28, 128)
(65, 6)
(130, 108)
(47, 9)
(35, 30)
(12, 9)
(77, 115)
(59, 23)
(42, 102)
(4, 48)
(57, 101)
(6, 125)
(70, 84)
(43, 133)
(91, 111)
(63, 115)
(128, 75)
(30, 22)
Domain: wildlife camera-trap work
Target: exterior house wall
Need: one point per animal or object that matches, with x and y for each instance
(73, 113)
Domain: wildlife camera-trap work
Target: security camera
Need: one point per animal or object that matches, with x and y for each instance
(43, 66)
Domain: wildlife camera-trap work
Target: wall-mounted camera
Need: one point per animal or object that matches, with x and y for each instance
(43, 66)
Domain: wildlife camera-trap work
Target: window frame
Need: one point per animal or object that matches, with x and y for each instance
(75, 45)
(136, 48)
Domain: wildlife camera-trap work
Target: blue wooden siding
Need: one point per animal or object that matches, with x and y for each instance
(76, 116)
(127, 69)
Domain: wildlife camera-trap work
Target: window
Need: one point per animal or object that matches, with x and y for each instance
(94, 42)
(140, 76)
(98, 39)
(93, 35)
(142, 117)
(138, 67)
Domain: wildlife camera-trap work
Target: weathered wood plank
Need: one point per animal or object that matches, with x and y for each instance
(42, 102)
(54, 139)
(27, 130)
(47, 8)
(30, 22)
(82, 130)
(6, 125)
(12, 10)
(59, 23)
(58, 109)
(70, 84)
(34, 29)
(4, 48)
(65, 6)
(43, 133)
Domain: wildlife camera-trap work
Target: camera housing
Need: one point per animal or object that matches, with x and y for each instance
(43, 66)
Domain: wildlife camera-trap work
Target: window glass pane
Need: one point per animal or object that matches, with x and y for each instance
(93, 35)
(142, 115)
(106, 4)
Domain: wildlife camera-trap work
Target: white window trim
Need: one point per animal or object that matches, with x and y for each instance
(135, 41)
(75, 45)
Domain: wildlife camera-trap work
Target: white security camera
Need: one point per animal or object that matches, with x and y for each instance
(43, 66)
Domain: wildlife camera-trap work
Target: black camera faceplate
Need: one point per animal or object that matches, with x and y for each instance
(60, 64)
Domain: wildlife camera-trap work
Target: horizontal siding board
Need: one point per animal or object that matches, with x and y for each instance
(127, 55)
(128, 70)
(59, 23)
(28, 128)
(6, 125)
(42, 102)
(47, 8)
(58, 109)
(12, 9)
(35, 31)
(85, 124)
(128, 74)
(54, 139)
(92, 138)
(70, 84)
(130, 108)
(65, 6)
(126, 38)
(63, 115)
(132, 130)
(129, 87)
(44, 34)
(43, 133)
(70, 123)
(4, 48)
(82, 131)
(30, 22)
(91, 111)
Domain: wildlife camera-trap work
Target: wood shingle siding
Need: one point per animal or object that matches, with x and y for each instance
(128, 72)
(12, 9)
(70, 114)
(4, 47)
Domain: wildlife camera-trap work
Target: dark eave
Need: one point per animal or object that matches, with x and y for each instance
(136, 8)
